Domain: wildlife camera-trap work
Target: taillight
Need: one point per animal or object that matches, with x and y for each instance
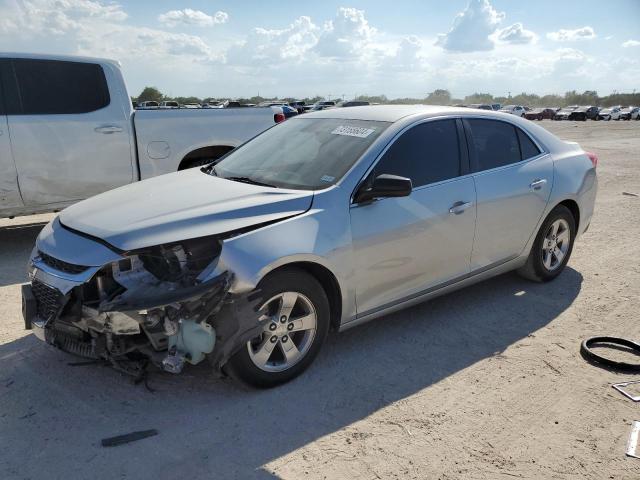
(593, 157)
(279, 117)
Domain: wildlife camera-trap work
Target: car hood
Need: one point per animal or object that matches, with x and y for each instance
(179, 206)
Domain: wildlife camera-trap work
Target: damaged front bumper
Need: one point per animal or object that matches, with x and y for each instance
(167, 306)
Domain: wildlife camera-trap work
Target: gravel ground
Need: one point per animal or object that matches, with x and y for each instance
(484, 383)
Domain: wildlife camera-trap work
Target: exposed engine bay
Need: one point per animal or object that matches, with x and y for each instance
(167, 305)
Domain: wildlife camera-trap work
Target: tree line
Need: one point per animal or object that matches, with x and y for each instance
(437, 97)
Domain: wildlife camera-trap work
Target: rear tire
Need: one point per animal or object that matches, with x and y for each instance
(294, 295)
(554, 240)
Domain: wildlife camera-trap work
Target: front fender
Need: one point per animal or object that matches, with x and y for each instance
(316, 236)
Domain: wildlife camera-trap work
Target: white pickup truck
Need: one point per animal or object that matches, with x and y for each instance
(68, 131)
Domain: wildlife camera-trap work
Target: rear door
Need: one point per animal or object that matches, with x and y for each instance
(513, 178)
(405, 246)
(9, 193)
(69, 130)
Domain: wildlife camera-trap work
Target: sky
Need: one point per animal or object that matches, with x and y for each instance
(400, 48)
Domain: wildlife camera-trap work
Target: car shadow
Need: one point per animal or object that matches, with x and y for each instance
(16, 243)
(212, 427)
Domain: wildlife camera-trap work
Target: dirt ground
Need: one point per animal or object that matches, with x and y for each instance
(484, 383)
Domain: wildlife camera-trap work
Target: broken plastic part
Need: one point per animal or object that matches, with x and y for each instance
(633, 439)
(129, 437)
(173, 362)
(620, 388)
(193, 340)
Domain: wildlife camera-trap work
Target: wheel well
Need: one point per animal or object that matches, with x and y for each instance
(195, 158)
(575, 211)
(329, 283)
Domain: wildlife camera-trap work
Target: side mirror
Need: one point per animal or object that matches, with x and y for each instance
(384, 186)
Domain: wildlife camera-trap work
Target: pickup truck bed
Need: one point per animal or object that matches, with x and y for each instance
(68, 131)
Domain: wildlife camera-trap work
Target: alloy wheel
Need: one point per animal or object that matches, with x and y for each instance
(556, 244)
(290, 324)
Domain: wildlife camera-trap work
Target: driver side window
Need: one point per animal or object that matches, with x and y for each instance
(427, 153)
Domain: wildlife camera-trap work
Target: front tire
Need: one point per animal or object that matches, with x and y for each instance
(296, 315)
(552, 247)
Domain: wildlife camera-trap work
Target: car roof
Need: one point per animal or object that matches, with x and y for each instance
(391, 113)
(67, 58)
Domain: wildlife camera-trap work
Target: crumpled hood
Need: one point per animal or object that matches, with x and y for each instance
(179, 206)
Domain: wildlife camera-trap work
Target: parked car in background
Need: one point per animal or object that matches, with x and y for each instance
(354, 103)
(564, 113)
(169, 104)
(191, 105)
(319, 222)
(481, 106)
(288, 111)
(496, 106)
(83, 137)
(212, 105)
(320, 106)
(150, 104)
(628, 113)
(234, 104)
(540, 114)
(298, 105)
(610, 113)
(584, 113)
(517, 110)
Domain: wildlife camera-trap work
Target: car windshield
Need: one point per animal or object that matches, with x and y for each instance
(304, 153)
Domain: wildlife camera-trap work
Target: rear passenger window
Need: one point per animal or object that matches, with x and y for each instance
(49, 87)
(427, 153)
(496, 143)
(528, 149)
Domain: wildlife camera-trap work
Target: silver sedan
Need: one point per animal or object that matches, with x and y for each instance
(327, 220)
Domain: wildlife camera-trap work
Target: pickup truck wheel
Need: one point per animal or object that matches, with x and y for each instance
(296, 316)
(552, 247)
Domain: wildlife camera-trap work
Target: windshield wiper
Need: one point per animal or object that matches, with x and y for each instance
(250, 180)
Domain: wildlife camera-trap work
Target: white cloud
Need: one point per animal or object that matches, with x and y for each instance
(188, 16)
(346, 36)
(471, 28)
(264, 46)
(515, 34)
(631, 43)
(564, 35)
(55, 17)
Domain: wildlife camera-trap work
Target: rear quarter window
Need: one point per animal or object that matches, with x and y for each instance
(528, 149)
(50, 87)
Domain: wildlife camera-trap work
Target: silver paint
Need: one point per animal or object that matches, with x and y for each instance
(385, 255)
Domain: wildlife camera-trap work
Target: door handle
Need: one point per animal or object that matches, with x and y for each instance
(108, 129)
(538, 183)
(459, 207)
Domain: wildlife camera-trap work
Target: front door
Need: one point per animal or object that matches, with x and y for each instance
(404, 246)
(70, 132)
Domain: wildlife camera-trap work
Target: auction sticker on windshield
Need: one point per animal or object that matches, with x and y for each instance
(349, 131)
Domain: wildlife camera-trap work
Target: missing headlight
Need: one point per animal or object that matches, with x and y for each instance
(180, 262)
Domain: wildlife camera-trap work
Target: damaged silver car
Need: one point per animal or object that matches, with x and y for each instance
(324, 221)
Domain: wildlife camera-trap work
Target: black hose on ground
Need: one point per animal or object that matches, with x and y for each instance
(612, 342)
